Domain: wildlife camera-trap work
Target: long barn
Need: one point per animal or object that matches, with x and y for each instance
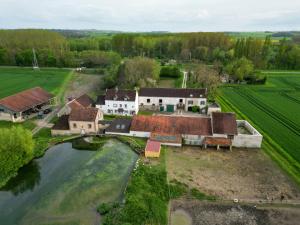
(25, 105)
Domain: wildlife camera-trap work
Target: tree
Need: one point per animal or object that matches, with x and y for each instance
(240, 69)
(205, 77)
(139, 72)
(16, 149)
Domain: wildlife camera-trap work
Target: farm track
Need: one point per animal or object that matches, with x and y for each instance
(290, 97)
(275, 115)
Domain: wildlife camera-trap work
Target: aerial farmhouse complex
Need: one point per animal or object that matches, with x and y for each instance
(25, 105)
(214, 128)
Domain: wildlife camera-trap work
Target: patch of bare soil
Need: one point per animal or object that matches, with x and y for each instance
(204, 213)
(83, 83)
(245, 174)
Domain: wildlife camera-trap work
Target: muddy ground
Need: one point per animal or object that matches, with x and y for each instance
(192, 212)
(245, 174)
(82, 84)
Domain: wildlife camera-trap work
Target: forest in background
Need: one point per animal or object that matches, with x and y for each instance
(116, 54)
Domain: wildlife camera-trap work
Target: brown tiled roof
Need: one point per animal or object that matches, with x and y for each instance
(224, 123)
(62, 123)
(172, 125)
(25, 100)
(217, 141)
(85, 100)
(120, 95)
(152, 146)
(83, 114)
(173, 92)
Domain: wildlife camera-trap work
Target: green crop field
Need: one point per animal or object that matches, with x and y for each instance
(13, 79)
(273, 109)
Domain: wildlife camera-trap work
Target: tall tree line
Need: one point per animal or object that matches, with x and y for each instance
(53, 49)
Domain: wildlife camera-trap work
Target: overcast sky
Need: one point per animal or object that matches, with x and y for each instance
(152, 15)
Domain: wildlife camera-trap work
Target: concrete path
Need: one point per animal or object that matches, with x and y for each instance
(184, 79)
(45, 121)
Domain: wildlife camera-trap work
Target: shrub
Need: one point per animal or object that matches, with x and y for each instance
(104, 208)
(201, 196)
(195, 108)
(81, 144)
(170, 72)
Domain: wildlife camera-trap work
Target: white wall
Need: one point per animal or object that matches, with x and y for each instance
(252, 140)
(115, 105)
(140, 134)
(171, 101)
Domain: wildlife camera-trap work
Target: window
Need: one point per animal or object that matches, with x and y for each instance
(1, 110)
(148, 100)
(120, 105)
(181, 100)
(90, 126)
(74, 125)
(115, 105)
(190, 102)
(160, 101)
(118, 126)
(125, 105)
(202, 102)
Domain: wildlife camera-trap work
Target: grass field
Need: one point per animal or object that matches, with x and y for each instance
(15, 79)
(274, 109)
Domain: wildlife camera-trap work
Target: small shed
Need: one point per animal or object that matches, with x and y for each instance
(214, 107)
(152, 149)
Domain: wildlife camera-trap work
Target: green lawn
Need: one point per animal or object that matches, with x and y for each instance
(274, 109)
(16, 79)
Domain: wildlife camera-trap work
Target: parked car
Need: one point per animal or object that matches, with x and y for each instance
(46, 111)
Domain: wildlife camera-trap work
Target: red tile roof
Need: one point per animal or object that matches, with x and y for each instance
(172, 125)
(85, 100)
(83, 114)
(27, 99)
(152, 146)
(217, 141)
(224, 123)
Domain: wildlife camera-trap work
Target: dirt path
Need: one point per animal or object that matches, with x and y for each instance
(184, 80)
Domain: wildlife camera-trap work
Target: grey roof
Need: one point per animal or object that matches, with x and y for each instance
(119, 125)
(100, 100)
(173, 92)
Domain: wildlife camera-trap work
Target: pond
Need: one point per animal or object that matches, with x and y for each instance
(65, 186)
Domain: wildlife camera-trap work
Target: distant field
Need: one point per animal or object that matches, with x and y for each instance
(260, 35)
(274, 108)
(13, 80)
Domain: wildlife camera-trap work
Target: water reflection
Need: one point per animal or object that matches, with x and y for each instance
(28, 177)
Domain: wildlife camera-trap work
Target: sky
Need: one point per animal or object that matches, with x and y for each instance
(152, 15)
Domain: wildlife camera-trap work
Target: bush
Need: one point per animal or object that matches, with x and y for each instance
(195, 108)
(177, 189)
(201, 196)
(104, 208)
(16, 150)
(81, 144)
(170, 72)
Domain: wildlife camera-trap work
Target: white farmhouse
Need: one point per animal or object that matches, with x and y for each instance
(118, 102)
(171, 99)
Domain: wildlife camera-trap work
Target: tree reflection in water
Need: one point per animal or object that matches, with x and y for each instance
(28, 177)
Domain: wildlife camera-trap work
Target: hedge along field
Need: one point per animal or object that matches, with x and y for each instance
(16, 79)
(274, 109)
